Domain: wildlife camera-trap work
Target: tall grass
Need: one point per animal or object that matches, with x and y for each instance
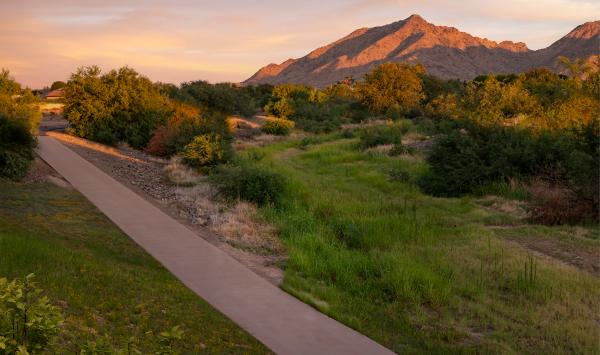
(417, 273)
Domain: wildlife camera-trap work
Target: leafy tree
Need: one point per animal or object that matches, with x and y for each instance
(120, 105)
(8, 86)
(19, 118)
(391, 87)
(576, 69)
(58, 85)
(222, 97)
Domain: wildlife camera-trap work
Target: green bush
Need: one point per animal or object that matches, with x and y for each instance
(251, 183)
(277, 126)
(372, 136)
(206, 150)
(391, 87)
(225, 98)
(120, 105)
(28, 321)
(16, 148)
(318, 117)
(464, 160)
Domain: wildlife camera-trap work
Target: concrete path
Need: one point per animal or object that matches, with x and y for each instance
(280, 321)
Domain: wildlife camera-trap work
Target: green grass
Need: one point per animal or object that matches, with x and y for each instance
(418, 274)
(106, 285)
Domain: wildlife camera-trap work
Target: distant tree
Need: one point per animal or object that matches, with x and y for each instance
(58, 85)
(576, 69)
(391, 87)
(8, 86)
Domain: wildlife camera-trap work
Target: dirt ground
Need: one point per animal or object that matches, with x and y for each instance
(236, 229)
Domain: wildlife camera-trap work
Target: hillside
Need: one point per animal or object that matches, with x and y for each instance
(444, 51)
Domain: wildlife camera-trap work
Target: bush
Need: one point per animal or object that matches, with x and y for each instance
(391, 87)
(372, 136)
(318, 117)
(28, 322)
(251, 183)
(554, 204)
(222, 97)
(16, 148)
(466, 159)
(277, 126)
(206, 150)
(120, 105)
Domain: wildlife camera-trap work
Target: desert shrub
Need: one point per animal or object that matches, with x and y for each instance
(554, 204)
(319, 117)
(225, 98)
(158, 144)
(28, 321)
(281, 108)
(463, 160)
(184, 125)
(434, 87)
(399, 149)
(206, 150)
(372, 136)
(391, 87)
(277, 126)
(399, 174)
(120, 105)
(443, 107)
(252, 183)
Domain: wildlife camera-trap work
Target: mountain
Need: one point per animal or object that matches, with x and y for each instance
(444, 51)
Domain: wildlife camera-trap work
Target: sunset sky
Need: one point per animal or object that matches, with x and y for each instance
(228, 40)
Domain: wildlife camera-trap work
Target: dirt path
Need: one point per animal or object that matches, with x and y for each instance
(280, 321)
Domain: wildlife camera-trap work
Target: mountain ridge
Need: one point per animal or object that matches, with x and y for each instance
(444, 51)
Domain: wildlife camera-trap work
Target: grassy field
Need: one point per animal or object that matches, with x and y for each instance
(107, 286)
(416, 273)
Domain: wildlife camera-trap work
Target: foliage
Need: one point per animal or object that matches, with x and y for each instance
(249, 182)
(391, 87)
(18, 121)
(58, 85)
(225, 98)
(186, 123)
(390, 133)
(368, 249)
(8, 86)
(28, 321)
(319, 117)
(277, 126)
(206, 150)
(120, 105)
(463, 160)
(313, 110)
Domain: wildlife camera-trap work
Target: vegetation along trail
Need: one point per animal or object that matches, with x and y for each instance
(280, 321)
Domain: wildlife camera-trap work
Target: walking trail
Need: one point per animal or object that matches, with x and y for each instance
(280, 321)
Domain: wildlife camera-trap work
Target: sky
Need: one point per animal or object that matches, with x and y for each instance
(228, 40)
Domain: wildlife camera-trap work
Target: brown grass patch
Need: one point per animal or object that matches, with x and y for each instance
(180, 174)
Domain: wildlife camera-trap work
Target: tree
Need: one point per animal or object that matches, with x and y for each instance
(58, 85)
(576, 69)
(391, 87)
(120, 105)
(8, 86)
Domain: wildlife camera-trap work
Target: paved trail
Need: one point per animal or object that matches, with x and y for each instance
(278, 320)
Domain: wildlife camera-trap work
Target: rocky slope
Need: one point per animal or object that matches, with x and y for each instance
(444, 51)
